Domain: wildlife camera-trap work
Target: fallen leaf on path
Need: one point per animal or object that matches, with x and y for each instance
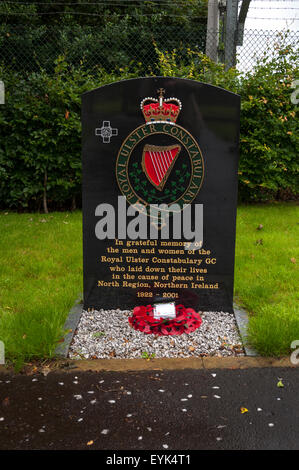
(280, 384)
(45, 371)
(89, 443)
(243, 410)
(6, 401)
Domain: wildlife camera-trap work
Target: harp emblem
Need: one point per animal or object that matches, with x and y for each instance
(158, 161)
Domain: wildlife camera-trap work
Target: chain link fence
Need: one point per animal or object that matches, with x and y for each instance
(257, 43)
(27, 49)
(103, 48)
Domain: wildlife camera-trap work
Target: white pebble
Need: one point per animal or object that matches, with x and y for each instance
(189, 396)
(111, 401)
(93, 402)
(140, 438)
(184, 409)
(78, 397)
(271, 425)
(2, 419)
(217, 396)
(184, 399)
(105, 431)
(165, 446)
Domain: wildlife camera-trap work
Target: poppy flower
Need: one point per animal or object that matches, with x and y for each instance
(186, 321)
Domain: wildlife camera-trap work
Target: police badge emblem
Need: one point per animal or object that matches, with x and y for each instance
(160, 162)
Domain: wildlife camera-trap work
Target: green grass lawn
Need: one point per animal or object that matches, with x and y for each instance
(266, 274)
(41, 276)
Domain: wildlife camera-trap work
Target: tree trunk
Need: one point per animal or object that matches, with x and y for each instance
(74, 205)
(45, 193)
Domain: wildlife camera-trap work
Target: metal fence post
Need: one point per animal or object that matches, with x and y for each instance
(230, 33)
(212, 39)
(241, 22)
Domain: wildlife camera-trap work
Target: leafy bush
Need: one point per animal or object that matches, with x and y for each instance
(269, 128)
(40, 146)
(40, 149)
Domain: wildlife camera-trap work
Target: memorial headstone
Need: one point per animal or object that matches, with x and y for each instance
(160, 172)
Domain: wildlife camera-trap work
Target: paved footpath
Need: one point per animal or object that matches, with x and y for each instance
(153, 409)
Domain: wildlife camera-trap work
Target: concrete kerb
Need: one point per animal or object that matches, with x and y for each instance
(175, 364)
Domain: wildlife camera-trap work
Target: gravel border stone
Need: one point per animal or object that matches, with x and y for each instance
(70, 327)
(242, 322)
(106, 334)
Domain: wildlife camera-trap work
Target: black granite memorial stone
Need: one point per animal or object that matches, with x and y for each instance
(153, 141)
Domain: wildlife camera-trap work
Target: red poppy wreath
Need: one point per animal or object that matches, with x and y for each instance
(186, 321)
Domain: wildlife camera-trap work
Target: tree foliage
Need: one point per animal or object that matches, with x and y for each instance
(102, 12)
(109, 33)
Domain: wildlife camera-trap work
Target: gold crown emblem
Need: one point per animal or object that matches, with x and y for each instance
(160, 109)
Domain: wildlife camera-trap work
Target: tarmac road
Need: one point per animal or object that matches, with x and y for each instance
(152, 410)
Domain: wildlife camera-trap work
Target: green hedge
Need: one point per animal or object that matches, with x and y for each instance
(269, 130)
(40, 141)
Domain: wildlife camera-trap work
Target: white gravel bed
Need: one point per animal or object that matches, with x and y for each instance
(107, 334)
